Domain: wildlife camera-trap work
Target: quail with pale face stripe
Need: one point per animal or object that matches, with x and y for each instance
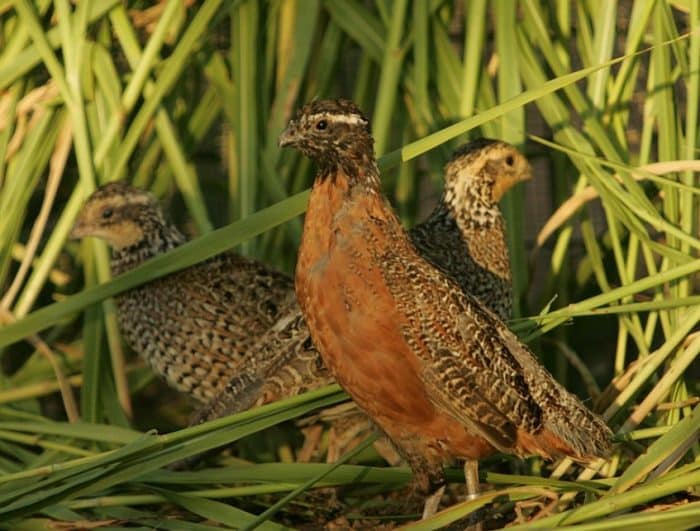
(196, 326)
(439, 373)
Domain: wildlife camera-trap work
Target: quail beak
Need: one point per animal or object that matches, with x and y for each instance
(288, 137)
(78, 231)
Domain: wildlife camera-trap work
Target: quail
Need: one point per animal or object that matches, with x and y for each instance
(464, 236)
(195, 326)
(438, 372)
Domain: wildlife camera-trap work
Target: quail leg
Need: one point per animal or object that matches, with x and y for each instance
(432, 502)
(471, 477)
(430, 479)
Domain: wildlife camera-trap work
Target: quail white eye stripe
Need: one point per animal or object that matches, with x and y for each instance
(139, 199)
(350, 119)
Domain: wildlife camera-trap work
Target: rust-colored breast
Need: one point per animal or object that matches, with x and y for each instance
(353, 320)
(349, 311)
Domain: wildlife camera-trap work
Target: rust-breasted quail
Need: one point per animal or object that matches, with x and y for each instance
(439, 373)
(195, 326)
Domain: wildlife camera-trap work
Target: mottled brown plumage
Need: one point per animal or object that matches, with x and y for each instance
(281, 364)
(196, 326)
(464, 236)
(438, 372)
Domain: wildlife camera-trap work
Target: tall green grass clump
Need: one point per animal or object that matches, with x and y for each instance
(187, 99)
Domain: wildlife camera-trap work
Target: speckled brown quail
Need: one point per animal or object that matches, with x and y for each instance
(195, 326)
(438, 372)
(464, 236)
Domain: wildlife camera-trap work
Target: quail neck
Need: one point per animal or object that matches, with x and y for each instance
(156, 238)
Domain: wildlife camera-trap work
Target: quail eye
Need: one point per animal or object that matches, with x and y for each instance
(510, 160)
(321, 125)
(107, 213)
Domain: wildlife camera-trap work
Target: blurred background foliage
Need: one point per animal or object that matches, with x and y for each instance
(187, 99)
